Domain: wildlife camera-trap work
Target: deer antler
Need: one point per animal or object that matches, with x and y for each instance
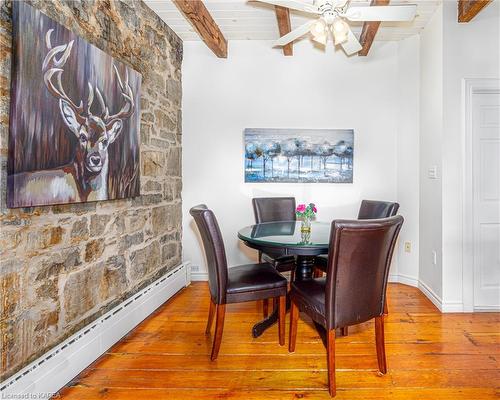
(90, 98)
(128, 109)
(53, 67)
(104, 109)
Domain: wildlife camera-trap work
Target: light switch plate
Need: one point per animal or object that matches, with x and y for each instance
(408, 247)
(432, 172)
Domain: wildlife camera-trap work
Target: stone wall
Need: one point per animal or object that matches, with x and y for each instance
(62, 266)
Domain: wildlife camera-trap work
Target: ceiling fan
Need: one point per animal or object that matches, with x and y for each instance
(332, 20)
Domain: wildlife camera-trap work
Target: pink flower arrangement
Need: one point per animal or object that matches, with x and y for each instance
(306, 211)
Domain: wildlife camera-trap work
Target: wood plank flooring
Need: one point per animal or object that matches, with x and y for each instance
(430, 356)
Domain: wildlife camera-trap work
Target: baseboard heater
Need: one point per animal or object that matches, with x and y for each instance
(60, 365)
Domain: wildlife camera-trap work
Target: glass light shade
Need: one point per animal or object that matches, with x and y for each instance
(340, 27)
(340, 30)
(340, 37)
(320, 39)
(318, 28)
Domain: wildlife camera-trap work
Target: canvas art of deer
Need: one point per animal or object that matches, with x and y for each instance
(86, 177)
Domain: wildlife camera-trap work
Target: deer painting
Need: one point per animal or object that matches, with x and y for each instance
(92, 129)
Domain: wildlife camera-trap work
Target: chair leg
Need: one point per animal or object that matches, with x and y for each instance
(265, 307)
(344, 331)
(281, 320)
(330, 352)
(219, 327)
(386, 310)
(380, 341)
(292, 275)
(294, 316)
(211, 313)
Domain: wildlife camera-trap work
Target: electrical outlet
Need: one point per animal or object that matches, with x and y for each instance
(408, 247)
(434, 257)
(195, 268)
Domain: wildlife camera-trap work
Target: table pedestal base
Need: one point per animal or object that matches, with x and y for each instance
(260, 327)
(305, 267)
(303, 271)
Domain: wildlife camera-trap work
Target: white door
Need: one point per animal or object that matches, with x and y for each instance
(486, 199)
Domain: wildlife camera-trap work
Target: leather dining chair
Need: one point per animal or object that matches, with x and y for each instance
(369, 209)
(238, 284)
(372, 209)
(353, 290)
(275, 209)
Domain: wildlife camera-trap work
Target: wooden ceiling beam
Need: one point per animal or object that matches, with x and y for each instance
(201, 20)
(468, 9)
(370, 29)
(284, 26)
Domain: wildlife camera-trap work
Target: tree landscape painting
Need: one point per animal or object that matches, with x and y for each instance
(299, 155)
(74, 117)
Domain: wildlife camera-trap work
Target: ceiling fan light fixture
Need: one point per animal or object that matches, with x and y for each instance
(340, 27)
(334, 17)
(340, 30)
(318, 29)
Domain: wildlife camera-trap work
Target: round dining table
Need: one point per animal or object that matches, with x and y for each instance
(287, 238)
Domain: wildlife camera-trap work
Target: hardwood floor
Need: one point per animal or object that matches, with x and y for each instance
(429, 356)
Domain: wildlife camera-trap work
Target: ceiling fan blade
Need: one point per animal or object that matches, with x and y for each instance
(294, 5)
(382, 13)
(351, 45)
(339, 3)
(295, 34)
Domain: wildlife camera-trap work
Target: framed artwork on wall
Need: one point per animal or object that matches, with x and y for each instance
(299, 155)
(74, 117)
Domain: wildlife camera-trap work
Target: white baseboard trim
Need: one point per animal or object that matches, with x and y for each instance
(444, 307)
(452, 307)
(408, 280)
(431, 295)
(393, 278)
(428, 292)
(487, 308)
(199, 276)
(57, 367)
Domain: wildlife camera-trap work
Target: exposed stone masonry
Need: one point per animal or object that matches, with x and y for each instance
(63, 266)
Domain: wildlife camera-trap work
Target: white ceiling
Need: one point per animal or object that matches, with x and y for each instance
(252, 20)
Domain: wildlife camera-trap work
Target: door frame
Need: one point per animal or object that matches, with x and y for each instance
(470, 87)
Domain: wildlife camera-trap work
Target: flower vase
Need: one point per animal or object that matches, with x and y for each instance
(305, 238)
(305, 227)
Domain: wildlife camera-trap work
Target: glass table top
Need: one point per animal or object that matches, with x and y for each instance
(287, 234)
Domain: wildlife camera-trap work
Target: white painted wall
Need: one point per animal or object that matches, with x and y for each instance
(407, 153)
(449, 53)
(431, 127)
(258, 87)
(470, 50)
(404, 102)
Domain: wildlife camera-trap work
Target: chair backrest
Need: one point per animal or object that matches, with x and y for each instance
(274, 209)
(373, 209)
(214, 251)
(358, 269)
